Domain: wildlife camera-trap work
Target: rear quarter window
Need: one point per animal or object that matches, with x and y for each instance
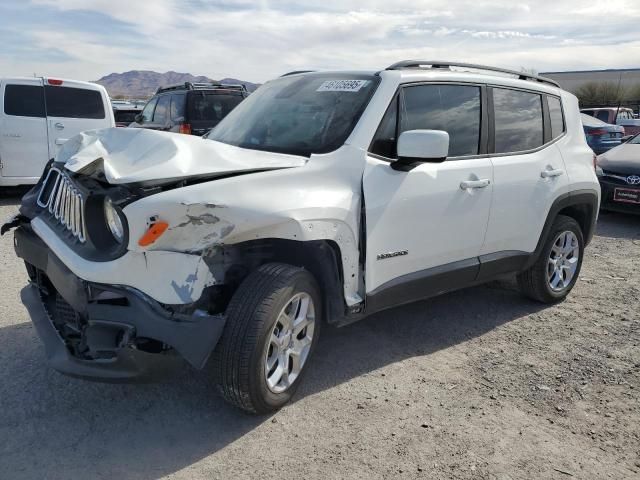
(556, 116)
(70, 102)
(24, 101)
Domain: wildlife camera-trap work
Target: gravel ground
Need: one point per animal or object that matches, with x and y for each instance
(479, 383)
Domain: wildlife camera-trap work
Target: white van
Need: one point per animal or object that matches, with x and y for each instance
(37, 115)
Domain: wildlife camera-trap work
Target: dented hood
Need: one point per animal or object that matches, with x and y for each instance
(132, 155)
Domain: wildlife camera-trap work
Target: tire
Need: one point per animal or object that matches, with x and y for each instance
(537, 282)
(254, 319)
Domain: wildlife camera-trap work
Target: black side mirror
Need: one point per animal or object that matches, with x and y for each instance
(627, 138)
(139, 118)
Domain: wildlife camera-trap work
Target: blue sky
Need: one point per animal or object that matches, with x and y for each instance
(257, 40)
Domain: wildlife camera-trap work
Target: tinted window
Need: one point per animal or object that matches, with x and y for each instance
(147, 112)
(73, 102)
(557, 119)
(162, 110)
(298, 114)
(603, 115)
(24, 100)
(518, 120)
(211, 108)
(125, 116)
(384, 141)
(177, 108)
(452, 108)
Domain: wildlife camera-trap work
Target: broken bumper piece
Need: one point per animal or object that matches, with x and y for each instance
(104, 332)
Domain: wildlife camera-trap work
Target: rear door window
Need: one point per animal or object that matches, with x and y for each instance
(24, 100)
(162, 110)
(603, 115)
(452, 108)
(69, 102)
(518, 120)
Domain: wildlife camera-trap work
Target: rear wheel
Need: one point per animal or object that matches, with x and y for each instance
(272, 327)
(556, 271)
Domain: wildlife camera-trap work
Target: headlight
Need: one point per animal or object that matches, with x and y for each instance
(114, 222)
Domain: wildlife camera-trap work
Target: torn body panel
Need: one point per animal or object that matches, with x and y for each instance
(298, 204)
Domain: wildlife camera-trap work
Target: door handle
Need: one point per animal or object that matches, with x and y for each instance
(551, 173)
(485, 182)
(59, 126)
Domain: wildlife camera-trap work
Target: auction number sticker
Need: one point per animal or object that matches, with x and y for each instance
(342, 85)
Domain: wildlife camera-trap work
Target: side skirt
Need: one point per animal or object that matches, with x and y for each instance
(442, 279)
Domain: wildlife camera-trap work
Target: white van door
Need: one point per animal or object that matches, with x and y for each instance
(24, 147)
(73, 107)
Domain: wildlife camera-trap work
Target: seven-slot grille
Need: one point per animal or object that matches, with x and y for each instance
(64, 202)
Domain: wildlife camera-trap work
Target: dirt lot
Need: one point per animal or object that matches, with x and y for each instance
(476, 384)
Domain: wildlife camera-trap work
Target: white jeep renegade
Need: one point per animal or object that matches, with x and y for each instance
(323, 197)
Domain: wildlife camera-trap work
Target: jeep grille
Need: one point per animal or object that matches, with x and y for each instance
(64, 202)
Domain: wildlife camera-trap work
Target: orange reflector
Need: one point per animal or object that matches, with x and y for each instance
(153, 233)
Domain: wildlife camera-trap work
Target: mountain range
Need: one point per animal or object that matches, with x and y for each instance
(144, 83)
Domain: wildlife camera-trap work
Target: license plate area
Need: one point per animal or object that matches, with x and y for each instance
(626, 195)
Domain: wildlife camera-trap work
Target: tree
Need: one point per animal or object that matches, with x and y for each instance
(601, 93)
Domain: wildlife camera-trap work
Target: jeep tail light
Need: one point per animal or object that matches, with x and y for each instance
(595, 162)
(153, 233)
(53, 81)
(185, 128)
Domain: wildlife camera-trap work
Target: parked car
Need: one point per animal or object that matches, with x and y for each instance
(619, 174)
(125, 113)
(616, 116)
(323, 197)
(192, 108)
(37, 115)
(601, 136)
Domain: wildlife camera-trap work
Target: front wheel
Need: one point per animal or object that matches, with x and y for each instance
(272, 327)
(556, 271)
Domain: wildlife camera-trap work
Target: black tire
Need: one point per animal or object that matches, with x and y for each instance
(239, 357)
(533, 282)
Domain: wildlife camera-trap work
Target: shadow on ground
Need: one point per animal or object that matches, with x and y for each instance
(57, 427)
(619, 225)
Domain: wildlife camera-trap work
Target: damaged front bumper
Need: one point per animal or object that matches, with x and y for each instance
(106, 332)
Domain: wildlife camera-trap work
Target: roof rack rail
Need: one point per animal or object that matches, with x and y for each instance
(295, 72)
(199, 86)
(408, 64)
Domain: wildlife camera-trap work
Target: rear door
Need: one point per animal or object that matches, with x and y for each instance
(23, 127)
(528, 168)
(71, 109)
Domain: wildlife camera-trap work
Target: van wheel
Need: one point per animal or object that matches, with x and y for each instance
(272, 327)
(556, 270)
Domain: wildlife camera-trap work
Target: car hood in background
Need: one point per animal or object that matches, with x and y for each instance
(131, 155)
(623, 159)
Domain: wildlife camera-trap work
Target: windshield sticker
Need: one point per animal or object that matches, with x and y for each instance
(342, 85)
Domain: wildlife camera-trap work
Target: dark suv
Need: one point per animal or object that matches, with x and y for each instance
(192, 108)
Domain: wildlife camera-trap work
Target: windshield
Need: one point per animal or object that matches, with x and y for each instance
(298, 115)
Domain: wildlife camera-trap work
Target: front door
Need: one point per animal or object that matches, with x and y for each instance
(23, 129)
(427, 222)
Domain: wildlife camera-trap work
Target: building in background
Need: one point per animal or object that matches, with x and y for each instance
(572, 81)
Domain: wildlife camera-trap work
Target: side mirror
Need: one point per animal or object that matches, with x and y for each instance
(139, 118)
(627, 138)
(420, 146)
